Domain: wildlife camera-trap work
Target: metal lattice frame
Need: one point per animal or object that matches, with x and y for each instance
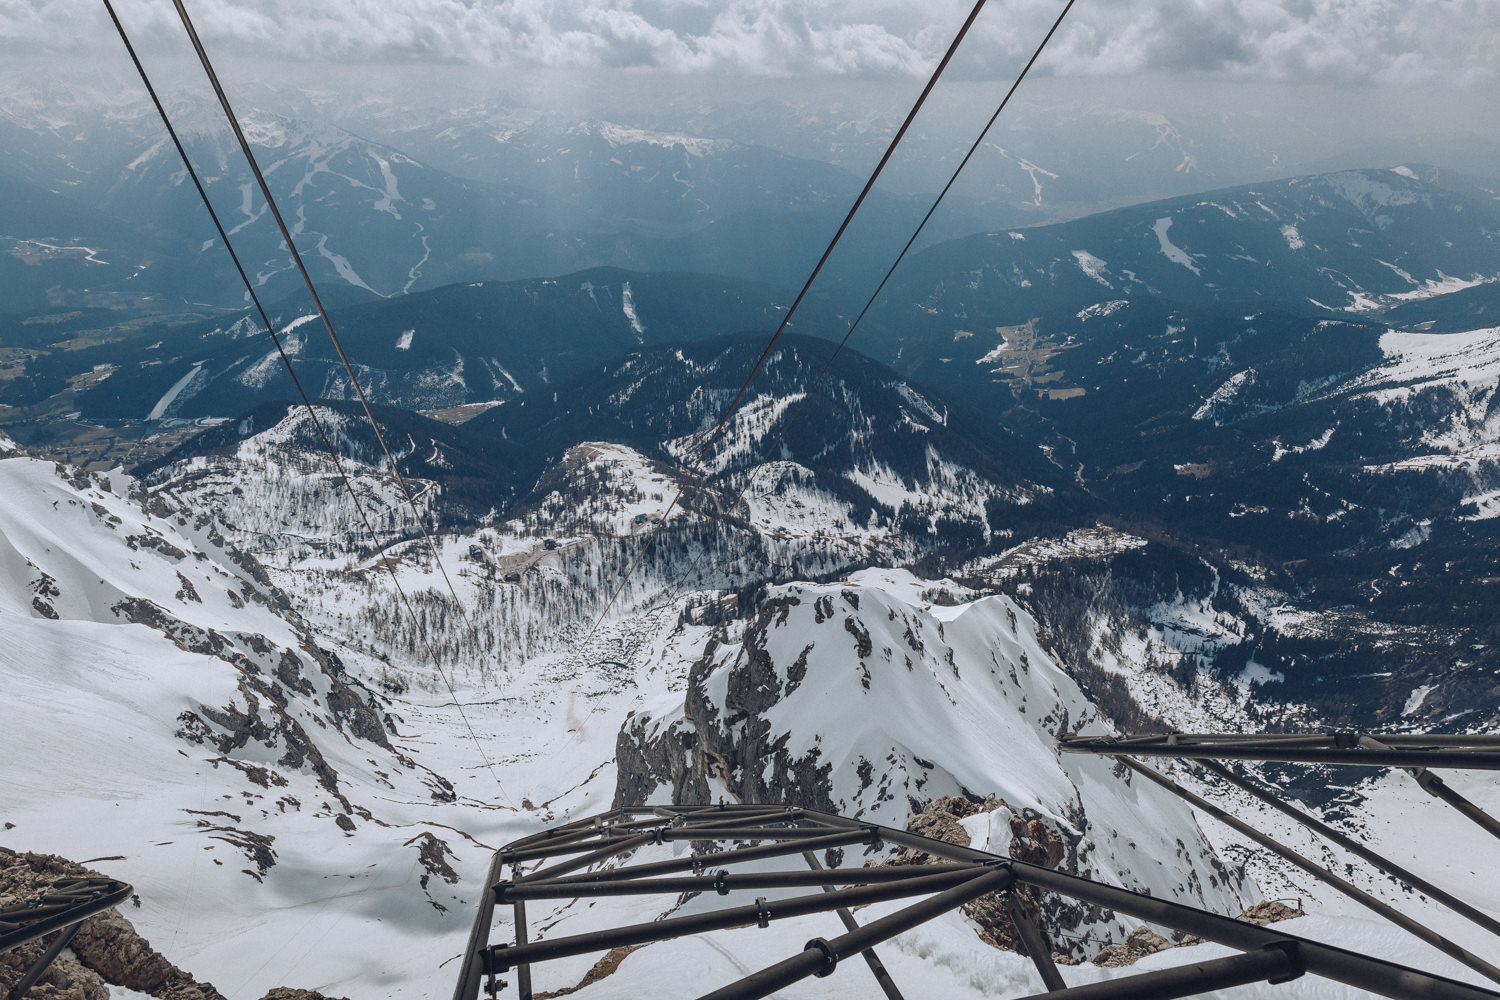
(1414, 753)
(593, 858)
(61, 911)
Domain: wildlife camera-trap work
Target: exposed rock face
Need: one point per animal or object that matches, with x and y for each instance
(1269, 912)
(737, 747)
(1033, 842)
(1144, 941)
(433, 854)
(106, 952)
(850, 700)
(1137, 945)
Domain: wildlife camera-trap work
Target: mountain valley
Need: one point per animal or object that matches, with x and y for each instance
(1223, 460)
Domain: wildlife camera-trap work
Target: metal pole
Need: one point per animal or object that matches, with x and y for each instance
(760, 912)
(64, 938)
(1467, 741)
(1277, 965)
(690, 832)
(1474, 759)
(1038, 948)
(472, 969)
(580, 842)
(877, 967)
(1351, 968)
(523, 969)
(722, 881)
(64, 904)
(1395, 916)
(1353, 846)
(856, 835)
(604, 853)
(820, 957)
(1436, 787)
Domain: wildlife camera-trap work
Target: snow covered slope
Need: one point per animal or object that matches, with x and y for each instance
(168, 714)
(170, 718)
(850, 699)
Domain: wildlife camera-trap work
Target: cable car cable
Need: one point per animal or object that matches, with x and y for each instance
(296, 382)
(771, 449)
(973, 148)
(693, 472)
(786, 319)
(333, 336)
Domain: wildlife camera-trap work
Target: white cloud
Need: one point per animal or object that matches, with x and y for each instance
(1291, 40)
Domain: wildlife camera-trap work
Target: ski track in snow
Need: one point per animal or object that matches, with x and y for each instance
(342, 266)
(172, 393)
(627, 304)
(1173, 252)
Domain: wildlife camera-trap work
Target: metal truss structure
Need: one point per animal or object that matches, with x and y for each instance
(60, 911)
(1414, 753)
(595, 857)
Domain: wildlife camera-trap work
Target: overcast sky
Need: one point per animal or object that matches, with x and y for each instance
(1328, 41)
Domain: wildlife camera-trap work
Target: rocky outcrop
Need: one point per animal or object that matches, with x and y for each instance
(1143, 941)
(433, 853)
(106, 951)
(1137, 945)
(734, 746)
(1031, 841)
(854, 701)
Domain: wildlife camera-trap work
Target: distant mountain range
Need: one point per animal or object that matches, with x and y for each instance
(99, 210)
(1217, 377)
(1225, 461)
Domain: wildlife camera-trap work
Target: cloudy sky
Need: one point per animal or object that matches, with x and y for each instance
(1404, 42)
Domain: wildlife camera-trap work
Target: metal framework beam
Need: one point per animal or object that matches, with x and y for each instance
(1270, 964)
(1316, 750)
(877, 967)
(1412, 926)
(1470, 913)
(965, 874)
(63, 908)
(761, 912)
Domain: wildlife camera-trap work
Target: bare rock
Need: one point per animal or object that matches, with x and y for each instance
(939, 821)
(1032, 841)
(1269, 912)
(1137, 945)
(109, 945)
(106, 952)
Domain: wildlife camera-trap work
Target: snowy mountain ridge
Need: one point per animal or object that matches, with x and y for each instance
(796, 700)
(846, 698)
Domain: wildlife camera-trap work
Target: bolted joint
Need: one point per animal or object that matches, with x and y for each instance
(830, 957)
(1293, 952)
(502, 890)
(492, 960)
(762, 912)
(721, 877)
